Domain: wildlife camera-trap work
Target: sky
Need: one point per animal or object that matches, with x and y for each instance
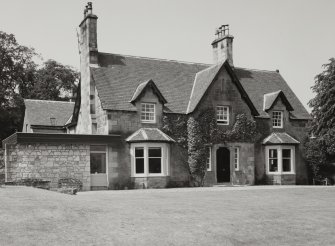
(294, 36)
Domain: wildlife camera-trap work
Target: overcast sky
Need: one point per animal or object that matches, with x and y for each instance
(296, 37)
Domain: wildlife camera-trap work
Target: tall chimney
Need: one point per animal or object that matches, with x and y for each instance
(88, 36)
(223, 45)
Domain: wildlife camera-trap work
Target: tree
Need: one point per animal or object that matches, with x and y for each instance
(54, 81)
(320, 150)
(21, 77)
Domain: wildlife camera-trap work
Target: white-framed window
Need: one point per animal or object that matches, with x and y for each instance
(98, 157)
(280, 159)
(209, 159)
(222, 115)
(149, 159)
(277, 119)
(148, 113)
(237, 158)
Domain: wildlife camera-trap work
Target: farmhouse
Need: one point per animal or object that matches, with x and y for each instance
(133, 117)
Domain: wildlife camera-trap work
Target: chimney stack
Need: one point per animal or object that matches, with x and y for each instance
(88, 35)
(223, 45)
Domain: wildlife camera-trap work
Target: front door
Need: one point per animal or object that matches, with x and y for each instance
(223, 165)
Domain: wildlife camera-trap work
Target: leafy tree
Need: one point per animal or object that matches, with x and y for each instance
(21, 77)
(54, 81)
(320, 150)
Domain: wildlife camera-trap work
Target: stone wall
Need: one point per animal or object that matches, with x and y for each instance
(48, 162)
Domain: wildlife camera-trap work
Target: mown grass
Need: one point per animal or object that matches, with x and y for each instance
(200, 216)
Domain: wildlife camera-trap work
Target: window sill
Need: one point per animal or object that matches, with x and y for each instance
(222, 124)
(148, 122)
(148, 176)
(282, 173)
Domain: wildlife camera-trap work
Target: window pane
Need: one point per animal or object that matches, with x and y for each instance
(273, 165)
(139, 165)
(155, 152)
(286, 153)
(273, 153)
(155, 165)
(98, 162)
(286, 165)
(139, 152)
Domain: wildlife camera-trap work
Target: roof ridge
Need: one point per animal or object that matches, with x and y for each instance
(39, 100)
(259, 70)
(159, 59)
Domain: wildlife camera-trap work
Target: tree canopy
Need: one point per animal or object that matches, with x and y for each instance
(320, 150)
(21, 77)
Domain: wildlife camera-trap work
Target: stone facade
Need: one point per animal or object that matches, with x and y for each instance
(48, 162)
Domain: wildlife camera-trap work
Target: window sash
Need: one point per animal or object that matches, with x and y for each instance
(139, 160)
(98, 159)
(222, 115)
(277, 119)
(148, 112)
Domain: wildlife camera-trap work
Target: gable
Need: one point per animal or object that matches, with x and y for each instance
(39, 112)
(141, 88)
(270, 99)
(205, 78)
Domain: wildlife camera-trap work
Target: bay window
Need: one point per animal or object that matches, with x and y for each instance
(150, 159)
(280, 159)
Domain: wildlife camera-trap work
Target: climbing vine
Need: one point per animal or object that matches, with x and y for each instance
(193, 134)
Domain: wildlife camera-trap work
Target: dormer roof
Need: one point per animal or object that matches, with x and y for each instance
(141, 88)
(270, 100)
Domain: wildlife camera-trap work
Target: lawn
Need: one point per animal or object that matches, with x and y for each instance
(259, 215)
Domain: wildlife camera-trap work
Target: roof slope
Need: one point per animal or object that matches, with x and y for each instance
(118, 77)
(258, 82)
(39, 112)
(280, 138)
(149, 135)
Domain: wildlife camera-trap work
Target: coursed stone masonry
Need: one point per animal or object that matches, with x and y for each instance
(49, 162)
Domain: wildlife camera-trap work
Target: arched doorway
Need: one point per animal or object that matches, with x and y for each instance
(223, 165)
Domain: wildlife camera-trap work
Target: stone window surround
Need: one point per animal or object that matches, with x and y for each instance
(209, 159)
(222, 121)
(236, 158)
(279, 149)
(154, 112)
(275, 120)
(165, 159)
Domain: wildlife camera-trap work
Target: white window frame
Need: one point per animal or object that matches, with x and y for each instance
(281, 113)
(165, 160)
(149, 112)
(237, 158)
(219, 120)
(280, 149)
(209, 159)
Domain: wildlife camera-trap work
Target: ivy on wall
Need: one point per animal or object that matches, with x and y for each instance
(194, 133)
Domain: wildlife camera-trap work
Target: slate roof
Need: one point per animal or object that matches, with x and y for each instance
(259, 82)
(149, 135)
(271, 98)
(280, 138)
(39, 112)
(118, 77)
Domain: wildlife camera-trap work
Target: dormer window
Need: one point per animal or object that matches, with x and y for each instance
(277, 119)
(148, 113)
(222, 115)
